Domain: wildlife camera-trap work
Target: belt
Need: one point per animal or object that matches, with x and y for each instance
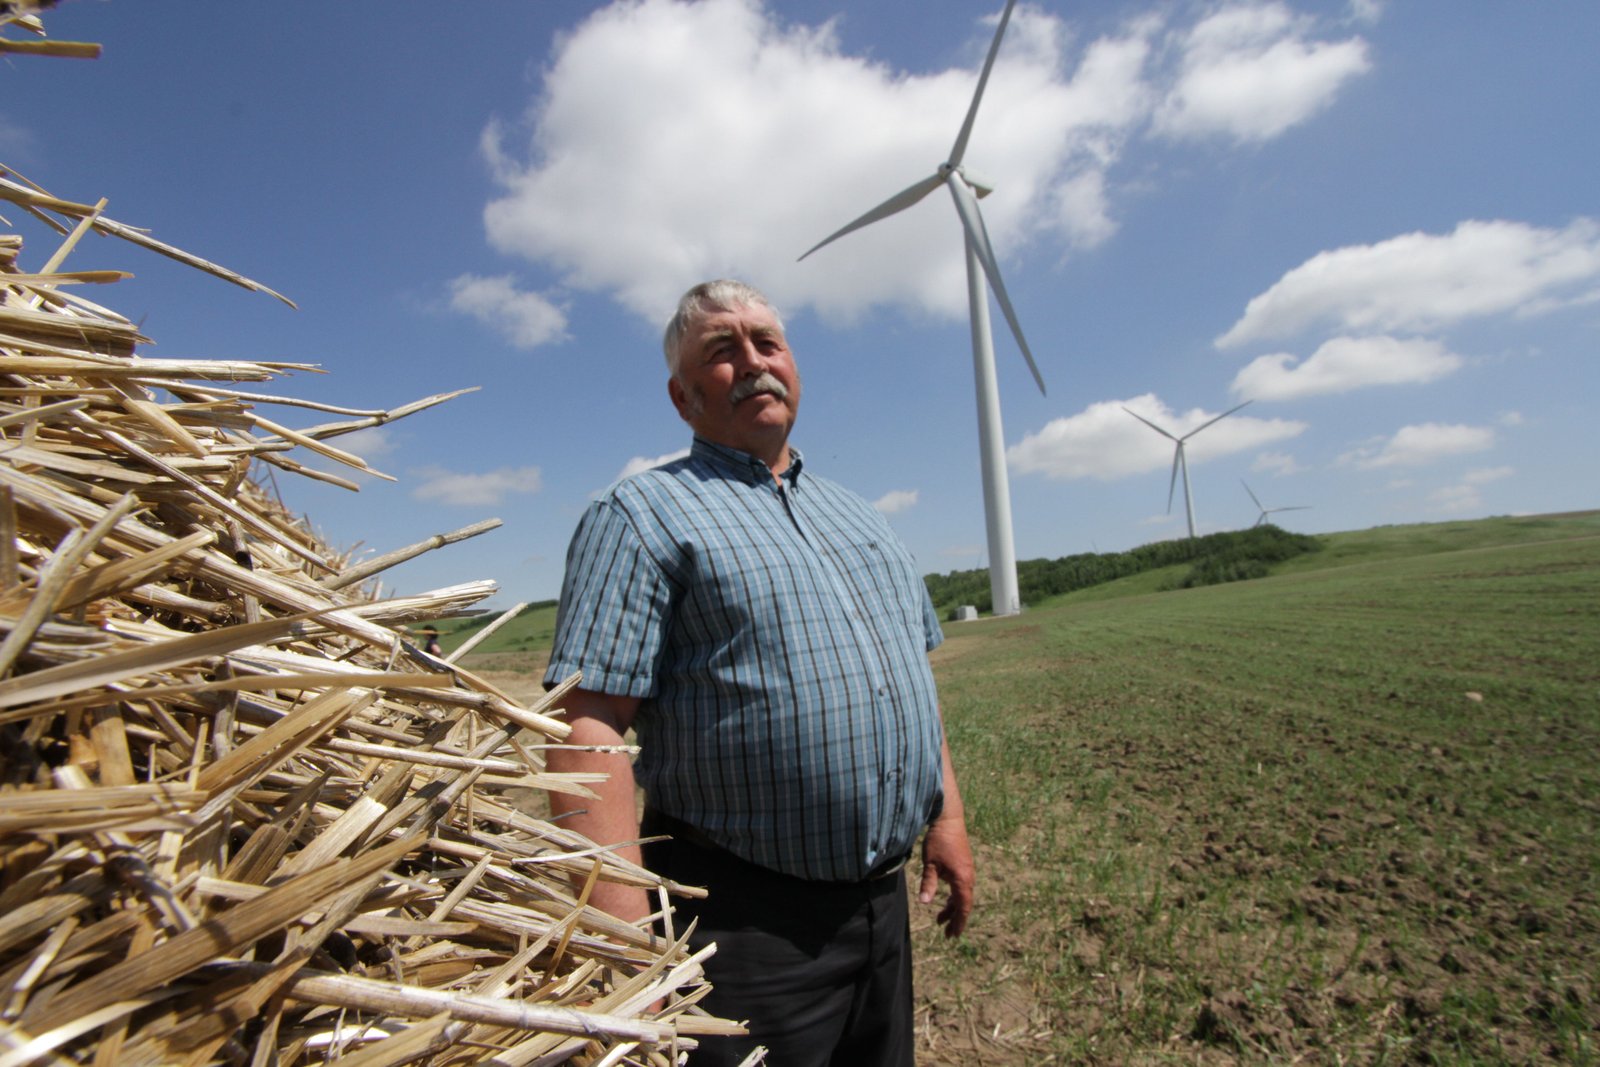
(659, 822)
(889, 867)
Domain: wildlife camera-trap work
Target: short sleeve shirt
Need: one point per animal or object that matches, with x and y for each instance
(776, 633)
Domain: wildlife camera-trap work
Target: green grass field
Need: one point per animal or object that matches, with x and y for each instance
(1347, 813)
(1344, 814)
(521, 645)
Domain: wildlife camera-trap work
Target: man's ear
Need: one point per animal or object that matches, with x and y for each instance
(680, 399)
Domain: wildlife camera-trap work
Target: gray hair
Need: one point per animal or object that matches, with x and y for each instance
(724, 294)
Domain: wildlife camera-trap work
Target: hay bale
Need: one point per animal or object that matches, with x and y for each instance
(243, 818)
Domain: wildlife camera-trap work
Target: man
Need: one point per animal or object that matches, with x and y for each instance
(766, 634)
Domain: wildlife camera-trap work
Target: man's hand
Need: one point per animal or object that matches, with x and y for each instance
(947, 858)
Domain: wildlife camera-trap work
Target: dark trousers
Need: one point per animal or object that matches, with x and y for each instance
(820, 972)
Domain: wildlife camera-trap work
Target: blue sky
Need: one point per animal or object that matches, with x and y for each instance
(1377, 221)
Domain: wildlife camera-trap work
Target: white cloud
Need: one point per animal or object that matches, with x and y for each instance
(674, 141)
(370, 444)
(1366, 10)
(1421, 281)
(458, 489)
(1510, 418)
(1105, 443)
(1343, 364)
(1419, 445)
(639, 464)
(526, 319)
(1250, 72)
(1456, 498)
(1465, 495)
(896, 501)
(1485, 475)
(17, 142)
(1278, 464)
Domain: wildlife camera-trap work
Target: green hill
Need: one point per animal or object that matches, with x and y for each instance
(530, 630)
(1155, 567)
(1345, 814)
(1220, 557)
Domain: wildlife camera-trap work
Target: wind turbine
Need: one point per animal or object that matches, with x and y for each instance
(1181, 460)
(966, 190)
(1265, 511)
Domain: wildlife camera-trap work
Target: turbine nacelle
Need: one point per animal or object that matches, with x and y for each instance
(1180, 458)
(980, 186)
(982, 271)
(966, 189)
(1266, 512)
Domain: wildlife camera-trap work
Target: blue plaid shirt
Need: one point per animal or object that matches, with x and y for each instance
(777, 635)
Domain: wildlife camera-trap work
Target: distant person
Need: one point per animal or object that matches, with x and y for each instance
(766, 634)
(430, 641)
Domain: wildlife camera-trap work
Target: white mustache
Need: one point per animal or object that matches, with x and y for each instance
(766, 382)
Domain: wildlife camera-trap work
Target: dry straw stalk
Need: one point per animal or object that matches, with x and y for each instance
(243, 818)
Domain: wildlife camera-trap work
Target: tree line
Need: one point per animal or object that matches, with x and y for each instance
(1229, 556)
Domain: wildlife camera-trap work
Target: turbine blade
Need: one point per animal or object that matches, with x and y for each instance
(1177, 456)
(959, 149)
(1219, 418)
(980, 186)
(1252, 495)
(1150, 424)
(972, 220)
(895, 204)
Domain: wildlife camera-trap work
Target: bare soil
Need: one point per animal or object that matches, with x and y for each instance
(1410, 922)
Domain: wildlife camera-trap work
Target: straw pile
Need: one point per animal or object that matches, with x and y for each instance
(244, 819)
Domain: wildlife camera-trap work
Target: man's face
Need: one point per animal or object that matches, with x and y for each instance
(731, 368)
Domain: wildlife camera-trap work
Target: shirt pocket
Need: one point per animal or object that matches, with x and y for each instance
(883, 579)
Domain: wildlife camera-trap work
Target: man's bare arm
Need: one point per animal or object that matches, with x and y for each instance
(602, 719)
(947, 856)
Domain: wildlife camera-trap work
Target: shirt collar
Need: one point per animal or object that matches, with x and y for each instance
(742, 464)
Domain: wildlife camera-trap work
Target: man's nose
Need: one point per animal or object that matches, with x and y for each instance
(750, 357)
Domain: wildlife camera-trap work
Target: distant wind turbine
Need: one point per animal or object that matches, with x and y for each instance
(1180, 460)
(966, 189)
(1265, 511)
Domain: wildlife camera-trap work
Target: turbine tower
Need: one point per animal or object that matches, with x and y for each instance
(1181, 460)
(965, 189)
(1265, 511)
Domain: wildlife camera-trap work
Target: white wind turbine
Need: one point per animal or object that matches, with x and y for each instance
(966, 189)
(1265, 511)
(1180, 460)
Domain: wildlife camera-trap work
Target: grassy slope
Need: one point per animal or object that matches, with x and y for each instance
(1346, 811)
(531, 631)
(1372, 546)
(1396, 542)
